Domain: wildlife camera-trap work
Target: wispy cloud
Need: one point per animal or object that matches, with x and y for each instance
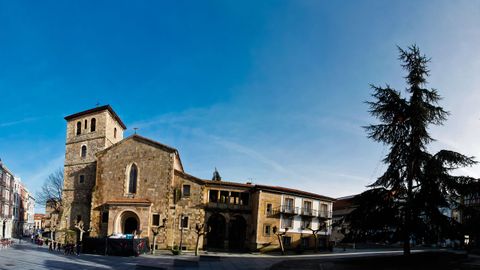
(20, 121)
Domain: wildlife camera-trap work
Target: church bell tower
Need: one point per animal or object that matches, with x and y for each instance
(88, 132)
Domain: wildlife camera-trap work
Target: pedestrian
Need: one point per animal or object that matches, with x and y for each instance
(78, 248)
(50, 245)
(59, 247)
(54, 245)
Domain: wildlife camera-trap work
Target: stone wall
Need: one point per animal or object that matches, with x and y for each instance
(189, 206)
(155, 175)
(263, 219)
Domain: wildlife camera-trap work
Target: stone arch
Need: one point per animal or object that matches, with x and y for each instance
(126, 222)
(237, 232)
(217, 228)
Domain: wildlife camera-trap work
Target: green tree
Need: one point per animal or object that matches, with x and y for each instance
(419, 182)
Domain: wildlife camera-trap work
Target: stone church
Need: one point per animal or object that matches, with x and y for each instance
(122, 186)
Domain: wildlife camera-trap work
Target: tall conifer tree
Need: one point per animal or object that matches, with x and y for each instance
(419, 181)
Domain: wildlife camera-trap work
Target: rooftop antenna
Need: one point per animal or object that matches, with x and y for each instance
(135, 130)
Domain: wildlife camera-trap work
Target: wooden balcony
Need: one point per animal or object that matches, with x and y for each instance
(228, 207)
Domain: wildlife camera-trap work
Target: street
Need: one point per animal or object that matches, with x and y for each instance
(31, 257)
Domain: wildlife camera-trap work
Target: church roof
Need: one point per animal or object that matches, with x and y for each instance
(255, 186)
(97, 109)
(146, 141)
(294, 191)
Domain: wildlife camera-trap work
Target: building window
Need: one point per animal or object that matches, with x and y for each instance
(186, 191)
(323, 210)
(84, 151)
(223, 196)
(85, 124)
(93, 124)
(213, 196)
(305, 242)
(81, 179)
(307, 207)
(287, 241)
(105, 217)
(234, 197)
(306, 223)
(267, 230)
(269, 209)
(79, 128)
(184, 223)
(244, 197)
(115, 133)
(132, 183)
(287, 223)
(156, 220)
(289, 205)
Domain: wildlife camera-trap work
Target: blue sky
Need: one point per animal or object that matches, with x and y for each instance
(266, 91)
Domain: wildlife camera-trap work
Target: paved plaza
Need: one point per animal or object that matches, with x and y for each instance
(27, 256)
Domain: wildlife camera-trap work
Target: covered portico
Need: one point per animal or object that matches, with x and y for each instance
(128, 216)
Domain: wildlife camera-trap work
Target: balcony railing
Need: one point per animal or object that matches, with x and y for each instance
(289, 210)
(309, 212)
(229, 206)
(324, 214)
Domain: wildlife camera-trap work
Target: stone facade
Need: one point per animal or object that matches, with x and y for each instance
(136, 186)
(87, 133)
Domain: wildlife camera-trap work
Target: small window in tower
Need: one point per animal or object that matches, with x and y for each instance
(93, 124)
(79, 128)
(85, 124)
(81, 179)
(84, 151)
(115, 133)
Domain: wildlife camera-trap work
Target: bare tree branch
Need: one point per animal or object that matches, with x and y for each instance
(51, 191)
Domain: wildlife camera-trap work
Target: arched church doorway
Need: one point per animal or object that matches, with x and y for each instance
(130, 225)
(129, 222)
(237, 233)
(216, 235)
